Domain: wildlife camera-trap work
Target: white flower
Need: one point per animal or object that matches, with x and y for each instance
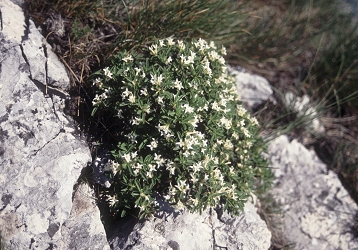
(188, 109)
(169, 60)
(180, 206)
(215, 106)
(228, 145)
(177, 84)
(167, 197)
(213, 55)
(206, 66)
(222, 62)
(194, 201)
(181, 45)
(112, 200)
(160, 100)
(127, 157)
(126, 93)
(144, 92)
(137, 71)
(156, 80)
(170, 41)
(152, 168)
(242, 123)
(189, 59)
(153, 144)
(111, 166)
(107, 72)
(246, 132)
(254, 120)
(240, 110)
(97, 82)
(153, 49)
(223, 101)
(223, 51)
(194, 122)
(196, 166)
(170, 167)
(194, 179)
(226, 122)
(136, 121)
(161, 43)
(180, 143)
(158, 160)
(164, 131)
(248, 144)
(200, 135)
(138, 166)
(131, 98)
(97, 99)
(206, 177)
(182, 186)
(186, 153)
(182, 59)
(128, 58)
(146, 109)
(191, 140)
(202, 45)
(212, 45)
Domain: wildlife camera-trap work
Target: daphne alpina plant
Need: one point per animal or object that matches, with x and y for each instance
(183, 133)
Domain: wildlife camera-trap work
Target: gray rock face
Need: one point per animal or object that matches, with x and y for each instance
(253, 89)
(44, 64)
(318, 213)
(186, 231)
(83, 229)
(41, 157)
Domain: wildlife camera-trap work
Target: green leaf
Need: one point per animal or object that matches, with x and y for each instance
(143, 143)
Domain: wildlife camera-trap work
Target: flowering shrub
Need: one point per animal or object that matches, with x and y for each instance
(181, 131)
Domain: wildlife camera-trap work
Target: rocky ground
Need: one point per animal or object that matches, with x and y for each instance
(42, 155)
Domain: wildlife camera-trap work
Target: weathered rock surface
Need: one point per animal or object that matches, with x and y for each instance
(318, 213)
(83, 229)
(253, 89)
(41, 157)
(186, 231)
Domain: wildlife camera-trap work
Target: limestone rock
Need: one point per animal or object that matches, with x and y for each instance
(41, 156)
(253, 89)
(186, 231)
(318, 213)
(83, 222)
(12, 21)
(44, 64)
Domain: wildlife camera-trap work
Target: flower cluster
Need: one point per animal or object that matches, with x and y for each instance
(183, 132)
